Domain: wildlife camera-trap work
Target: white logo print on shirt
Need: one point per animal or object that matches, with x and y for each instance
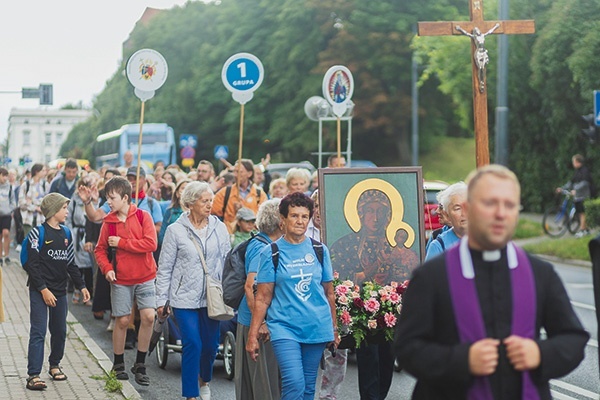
(303, 286)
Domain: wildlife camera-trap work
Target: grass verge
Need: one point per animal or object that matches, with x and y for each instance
(528, 229)
(567, 248)
(112, 384)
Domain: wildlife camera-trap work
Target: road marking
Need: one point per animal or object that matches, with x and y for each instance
(584, 306)
(573, 389)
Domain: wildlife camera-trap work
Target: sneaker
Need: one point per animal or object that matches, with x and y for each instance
(18, 249)
(111, 325)
(582, 233)
(7, 261)
(205, 392)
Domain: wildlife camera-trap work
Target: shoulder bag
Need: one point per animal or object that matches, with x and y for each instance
(217, 309)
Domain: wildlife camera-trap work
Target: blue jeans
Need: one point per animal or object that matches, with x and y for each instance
(375, 370)
(57, 325)
(200, 339)
(299, 364)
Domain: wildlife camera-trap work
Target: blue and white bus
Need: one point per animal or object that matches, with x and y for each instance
(158, 143)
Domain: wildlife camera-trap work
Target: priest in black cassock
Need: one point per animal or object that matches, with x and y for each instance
(471, 317)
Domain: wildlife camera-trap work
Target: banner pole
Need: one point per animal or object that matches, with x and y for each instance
(139, 157)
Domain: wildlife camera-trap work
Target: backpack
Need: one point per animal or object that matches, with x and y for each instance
(234, 269)
(234, 272)
(25, 247)
(316, 245)
(228, 194)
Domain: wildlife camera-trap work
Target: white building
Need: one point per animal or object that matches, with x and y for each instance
(37, 134)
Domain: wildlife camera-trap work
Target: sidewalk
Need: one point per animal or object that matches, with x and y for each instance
(84, 362)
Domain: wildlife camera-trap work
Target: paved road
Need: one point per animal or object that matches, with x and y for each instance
(582, 384)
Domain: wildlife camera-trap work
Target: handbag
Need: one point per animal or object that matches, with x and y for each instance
(216, 307)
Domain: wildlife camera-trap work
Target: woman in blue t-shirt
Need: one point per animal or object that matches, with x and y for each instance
(298, 300)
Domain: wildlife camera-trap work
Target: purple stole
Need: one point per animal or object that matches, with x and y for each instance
(467, 311)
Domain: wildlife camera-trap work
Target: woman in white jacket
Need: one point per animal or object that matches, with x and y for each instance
(180, 279)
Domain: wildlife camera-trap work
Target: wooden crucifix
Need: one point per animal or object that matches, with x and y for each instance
(477, 29)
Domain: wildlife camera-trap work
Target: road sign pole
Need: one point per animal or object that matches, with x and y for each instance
(597, 107)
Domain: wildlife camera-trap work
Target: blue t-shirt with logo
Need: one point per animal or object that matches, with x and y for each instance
(252, 258)
(299, 309)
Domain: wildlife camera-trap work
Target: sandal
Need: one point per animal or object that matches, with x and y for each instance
(57, 373)
(34, 382)
(119, 370)
(140, 374)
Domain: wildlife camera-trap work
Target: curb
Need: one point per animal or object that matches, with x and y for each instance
(103, 360)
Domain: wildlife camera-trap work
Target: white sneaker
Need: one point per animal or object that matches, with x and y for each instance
(205, 392)
(18, 249)
(111, 325)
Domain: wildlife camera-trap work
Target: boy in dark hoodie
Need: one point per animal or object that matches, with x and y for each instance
(48, 265)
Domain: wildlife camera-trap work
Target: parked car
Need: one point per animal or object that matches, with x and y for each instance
(362, 164)
(282, 168)
(430, 217)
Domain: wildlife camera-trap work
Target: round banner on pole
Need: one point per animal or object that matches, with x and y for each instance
(242, 74)
(338, 87)
(147, 71)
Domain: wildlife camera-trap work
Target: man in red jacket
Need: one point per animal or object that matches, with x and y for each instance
(129, 234)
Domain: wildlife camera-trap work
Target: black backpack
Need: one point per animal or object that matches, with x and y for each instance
(234, 273)
(234, 269)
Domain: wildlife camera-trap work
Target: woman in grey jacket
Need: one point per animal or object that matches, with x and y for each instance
(180, 279)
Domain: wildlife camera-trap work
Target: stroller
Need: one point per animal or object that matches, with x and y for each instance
(170, 341)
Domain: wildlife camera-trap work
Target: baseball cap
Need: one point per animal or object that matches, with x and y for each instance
(245, 214)
(133, 171)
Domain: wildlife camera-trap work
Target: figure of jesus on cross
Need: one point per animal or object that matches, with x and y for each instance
(480, 58)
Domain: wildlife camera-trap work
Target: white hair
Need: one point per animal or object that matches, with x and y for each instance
(192, 192)
(458, 188)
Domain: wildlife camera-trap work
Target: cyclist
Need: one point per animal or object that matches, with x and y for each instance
(580, 187)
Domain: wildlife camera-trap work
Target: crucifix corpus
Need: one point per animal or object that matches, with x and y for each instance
(477, 29)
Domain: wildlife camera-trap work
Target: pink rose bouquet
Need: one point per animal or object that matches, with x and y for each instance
(367, 311)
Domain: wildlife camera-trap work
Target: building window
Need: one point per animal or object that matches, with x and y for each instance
(47, 122)
(48, 141)
(59, 138)
(26, 138)
(26, 121)
(47, 158)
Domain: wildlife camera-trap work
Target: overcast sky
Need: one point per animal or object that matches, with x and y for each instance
(73, 44)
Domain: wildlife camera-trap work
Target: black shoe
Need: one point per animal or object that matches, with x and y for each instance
(130, 339)
(140, 374)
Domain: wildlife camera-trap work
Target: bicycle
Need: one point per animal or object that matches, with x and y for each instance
(560, 218)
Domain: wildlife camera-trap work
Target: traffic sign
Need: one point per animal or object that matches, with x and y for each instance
(188, 140)
(221, 151)
(597, 107)
(187, 162)
(242, 74)
(188, 152)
